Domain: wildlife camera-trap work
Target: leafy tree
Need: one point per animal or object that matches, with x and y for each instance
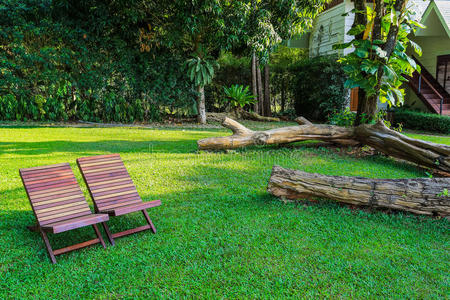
(205, 27)
(379, 60)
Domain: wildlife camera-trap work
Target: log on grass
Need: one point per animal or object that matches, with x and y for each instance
(378, 136)
(243, 137)
(256, 117)
(426, 196)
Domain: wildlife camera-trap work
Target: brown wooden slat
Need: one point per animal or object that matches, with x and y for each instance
(122, 198)
(100, 188)
(62, 209)
(54, 167)
(46, 174)
(129, 192)
(122, 210)
(112, 191)
(56, 196)
(63, 218)
(77, 222)
(48, 179)
(65, 214)
(76, 246)
(61, 184)
(110, 182)
(46, 185)
(43, 206)
(111, 206)
(131, 231)
(109, 177)
(98, 157)
(51, 192)
(103, 175)
(100, 163)
(104, 170)
(44, 201)
(104, 165)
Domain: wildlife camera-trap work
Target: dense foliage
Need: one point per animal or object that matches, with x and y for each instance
(422, 121)
(379, 62)
(85, 60)
(319, 87)
(105, 60)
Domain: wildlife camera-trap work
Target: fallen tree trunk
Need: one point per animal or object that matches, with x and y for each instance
(378, 136)
(424, 196)
(256, 117)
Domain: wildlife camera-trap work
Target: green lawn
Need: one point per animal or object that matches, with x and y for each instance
(219, 233)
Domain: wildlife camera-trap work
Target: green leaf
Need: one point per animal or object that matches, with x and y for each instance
(356, 30)
(416, 47)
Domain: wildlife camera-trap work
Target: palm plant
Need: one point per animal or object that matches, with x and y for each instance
(238, 96)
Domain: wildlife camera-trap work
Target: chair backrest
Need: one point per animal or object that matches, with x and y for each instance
(108, 181)
(54, 193)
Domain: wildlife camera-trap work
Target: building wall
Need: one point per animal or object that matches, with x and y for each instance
(432, 47)
(328, 29)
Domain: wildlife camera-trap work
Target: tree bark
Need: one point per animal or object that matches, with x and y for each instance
(267, 109)
(283, 93)
(254, 116)
(378, 136)
(201, 117)
(423, 196)
(260, 88)
(254, 83)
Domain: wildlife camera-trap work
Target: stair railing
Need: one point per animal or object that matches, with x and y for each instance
(441, 104)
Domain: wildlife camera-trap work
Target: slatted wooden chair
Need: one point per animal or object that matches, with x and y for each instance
(59, 205)
(113, 191)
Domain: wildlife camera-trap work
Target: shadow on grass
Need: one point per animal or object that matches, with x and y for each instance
(98, 147)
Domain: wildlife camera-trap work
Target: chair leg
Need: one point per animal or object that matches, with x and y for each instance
(108, 233)
(97, 232)
(34, 227)
(47, 245)
(149, 221)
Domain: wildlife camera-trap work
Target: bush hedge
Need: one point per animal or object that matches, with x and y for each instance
(422, 121)
(82, 60)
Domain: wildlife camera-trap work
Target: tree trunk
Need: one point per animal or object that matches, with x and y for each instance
(283, 93)
(367, 108)
(243, 137)
(423, 196)
(267, 108)
(260, 88)
(201, 117)
(378, 136)
(254, 116)
(254, 83)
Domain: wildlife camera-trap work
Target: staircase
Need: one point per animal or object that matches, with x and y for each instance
(432, 94)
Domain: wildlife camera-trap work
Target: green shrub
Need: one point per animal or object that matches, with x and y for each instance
(422, 121)
(342, 118)
(319, 87)
(81, 60)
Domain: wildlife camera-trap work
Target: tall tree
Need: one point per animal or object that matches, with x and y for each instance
(202, 28)
(267, 109)
(379, 60)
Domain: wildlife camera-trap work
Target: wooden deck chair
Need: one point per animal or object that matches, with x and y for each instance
(113, 191)
(59, 205)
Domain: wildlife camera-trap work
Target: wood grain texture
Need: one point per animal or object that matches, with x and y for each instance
(113, 191)
(50, 207)
(424, 196)
(378, 136)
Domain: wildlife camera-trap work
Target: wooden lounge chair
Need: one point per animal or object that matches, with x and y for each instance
(59, 205)
(113, 191)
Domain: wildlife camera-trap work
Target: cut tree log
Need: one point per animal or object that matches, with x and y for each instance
(425, 196)
(378, 136)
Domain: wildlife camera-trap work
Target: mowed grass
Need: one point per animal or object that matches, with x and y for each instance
(220, 234)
